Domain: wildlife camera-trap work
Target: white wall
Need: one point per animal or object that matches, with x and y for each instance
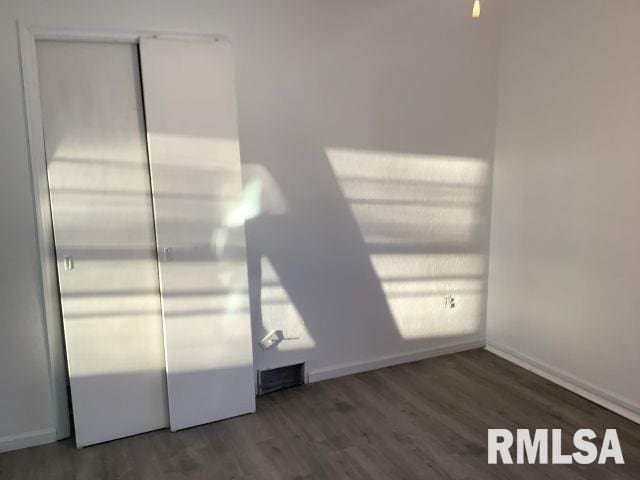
(375, 122)
(564, 241)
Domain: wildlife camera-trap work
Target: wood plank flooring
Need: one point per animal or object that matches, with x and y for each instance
(423, 420)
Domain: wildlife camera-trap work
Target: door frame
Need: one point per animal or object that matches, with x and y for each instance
(50, 295)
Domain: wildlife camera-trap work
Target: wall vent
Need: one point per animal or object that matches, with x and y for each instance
(279, 378)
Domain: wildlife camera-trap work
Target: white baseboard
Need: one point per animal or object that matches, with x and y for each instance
(27, 439)
(373, 364)
(610, 401)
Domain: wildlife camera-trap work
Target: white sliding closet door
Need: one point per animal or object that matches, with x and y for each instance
(105, 242)
(195, 169)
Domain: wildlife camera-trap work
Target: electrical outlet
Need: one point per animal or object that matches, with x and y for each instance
(449, 302)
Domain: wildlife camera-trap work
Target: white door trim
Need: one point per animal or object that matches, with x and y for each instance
(50, 305)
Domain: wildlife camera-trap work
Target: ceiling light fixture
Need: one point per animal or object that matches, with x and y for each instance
(476, 9)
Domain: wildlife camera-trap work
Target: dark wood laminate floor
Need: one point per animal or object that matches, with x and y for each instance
(423, 420)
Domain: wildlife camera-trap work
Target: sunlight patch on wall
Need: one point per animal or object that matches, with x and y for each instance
(404, 199)
(417, 300)
(424, 220)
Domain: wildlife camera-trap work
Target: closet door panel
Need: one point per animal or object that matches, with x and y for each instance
(105, 242)
(195, 167)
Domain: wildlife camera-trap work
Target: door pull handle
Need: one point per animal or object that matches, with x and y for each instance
(68, 263)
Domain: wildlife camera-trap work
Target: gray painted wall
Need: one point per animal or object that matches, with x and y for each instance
(372, 121)
(564, 242)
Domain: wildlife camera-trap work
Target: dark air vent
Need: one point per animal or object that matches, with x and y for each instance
(279, 378)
